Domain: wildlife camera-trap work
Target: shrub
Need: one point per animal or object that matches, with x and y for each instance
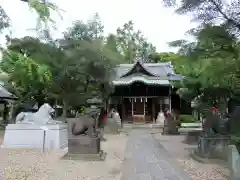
(185, 118)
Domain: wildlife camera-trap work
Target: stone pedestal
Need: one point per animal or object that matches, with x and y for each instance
(83, 144)
(52, 136)
(84, 147)
(233, 162)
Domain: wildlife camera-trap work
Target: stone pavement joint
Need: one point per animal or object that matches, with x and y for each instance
(149, 160)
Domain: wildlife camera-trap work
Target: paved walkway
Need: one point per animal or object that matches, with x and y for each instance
(146, 159)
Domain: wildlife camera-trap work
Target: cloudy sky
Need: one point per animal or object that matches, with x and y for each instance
(160, 25)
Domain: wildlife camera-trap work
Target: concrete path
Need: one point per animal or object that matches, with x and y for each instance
(146, 159)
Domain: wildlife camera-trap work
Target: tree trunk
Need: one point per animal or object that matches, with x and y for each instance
(65, 108)
(11, 113)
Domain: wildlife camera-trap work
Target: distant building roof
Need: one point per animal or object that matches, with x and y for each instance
(157, 73)
(5, 94)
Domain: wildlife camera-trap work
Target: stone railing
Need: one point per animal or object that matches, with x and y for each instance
(234, 162)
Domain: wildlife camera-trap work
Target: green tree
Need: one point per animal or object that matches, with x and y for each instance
(4, 20)
(25, 78)
(132, 43)
(80, 70)
(210, 11)
(91, 30)
(178, 61)
(212, 65)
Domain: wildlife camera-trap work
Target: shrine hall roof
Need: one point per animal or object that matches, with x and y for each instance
(158, 73)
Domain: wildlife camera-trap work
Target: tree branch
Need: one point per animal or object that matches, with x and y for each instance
(230, 20)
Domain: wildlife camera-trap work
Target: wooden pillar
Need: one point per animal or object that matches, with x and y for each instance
(123, 110)
(132, 106)
(170, 99)
(143, 106)
(153, 110)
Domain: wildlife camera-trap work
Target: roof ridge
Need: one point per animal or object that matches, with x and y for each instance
(157, 64)
(148, 64)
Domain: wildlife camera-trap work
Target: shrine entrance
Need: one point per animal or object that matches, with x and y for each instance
(139, 109)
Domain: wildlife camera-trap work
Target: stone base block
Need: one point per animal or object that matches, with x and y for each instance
(30, 136)
(83, 144)
(101, 156)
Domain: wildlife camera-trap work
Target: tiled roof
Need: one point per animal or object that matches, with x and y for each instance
(146, 80)
(162, 74)
(158, 69)
(5, 94)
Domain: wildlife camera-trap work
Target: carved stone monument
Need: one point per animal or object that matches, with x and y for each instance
(36, 130)
(84, 140)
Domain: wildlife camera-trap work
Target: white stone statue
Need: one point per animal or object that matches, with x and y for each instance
(160, 119)
(41, 117)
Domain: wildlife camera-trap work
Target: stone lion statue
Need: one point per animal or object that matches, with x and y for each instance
(43, 116)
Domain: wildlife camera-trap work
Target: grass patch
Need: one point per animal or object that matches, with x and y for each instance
(185, 118)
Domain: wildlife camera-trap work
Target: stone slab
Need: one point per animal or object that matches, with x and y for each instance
(33, 136)
(83, 144)
(146, 159)
(191, 125)
(101, 156)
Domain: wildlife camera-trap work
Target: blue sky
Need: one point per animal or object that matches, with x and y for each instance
(159, 24)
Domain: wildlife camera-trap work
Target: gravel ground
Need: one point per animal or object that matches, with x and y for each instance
(34, 165)
(196, 170)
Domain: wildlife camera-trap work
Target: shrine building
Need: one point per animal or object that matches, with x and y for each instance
(142, 90)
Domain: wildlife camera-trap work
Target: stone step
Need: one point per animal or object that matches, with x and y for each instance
(142, 126)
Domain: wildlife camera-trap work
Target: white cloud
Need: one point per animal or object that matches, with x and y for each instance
(160, 25)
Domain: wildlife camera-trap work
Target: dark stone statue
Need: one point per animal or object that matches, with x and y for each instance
(234, 121)
(83, 139)
(215, 124)
(215, 138)
(84, 125)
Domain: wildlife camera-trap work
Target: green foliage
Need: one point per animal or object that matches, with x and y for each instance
(210, 65)
(80, 67)
(43, 9)
(4, 20)
(132, 43)
(24, 75)
(210, 11)
(79, 30)
(185, 118)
